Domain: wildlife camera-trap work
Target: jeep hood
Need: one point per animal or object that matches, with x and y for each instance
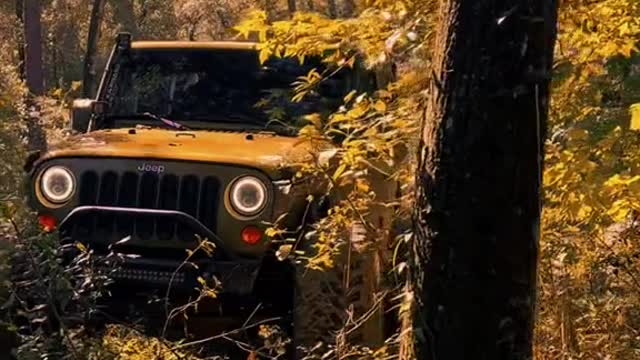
(264, 151)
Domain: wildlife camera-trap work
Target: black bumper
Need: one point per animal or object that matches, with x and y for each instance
(158, 274)
(151, 268)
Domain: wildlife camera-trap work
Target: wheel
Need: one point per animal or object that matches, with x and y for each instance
(335, 309)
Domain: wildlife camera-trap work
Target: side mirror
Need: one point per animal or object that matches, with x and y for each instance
(82, 111)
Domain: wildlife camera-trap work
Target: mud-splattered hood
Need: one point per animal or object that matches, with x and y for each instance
(264, 151)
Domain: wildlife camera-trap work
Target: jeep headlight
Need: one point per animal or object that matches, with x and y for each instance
(57, 184)
(248, 195)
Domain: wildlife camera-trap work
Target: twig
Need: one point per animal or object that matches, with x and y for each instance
(227, 333)
(51, 304)
(16, 228)
(252, 314)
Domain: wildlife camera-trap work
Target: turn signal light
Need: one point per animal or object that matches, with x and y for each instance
(47, 222)
(251, 235)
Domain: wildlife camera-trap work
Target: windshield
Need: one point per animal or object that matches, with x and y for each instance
(206, 88)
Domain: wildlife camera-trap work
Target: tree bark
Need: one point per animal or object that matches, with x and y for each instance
(89, 71)
(21, 43)
(332, 8)
(348, 8)
(292, 7)
(269, 9)
(479, 178)
(34, 73)
(33, 47)
(124, 14)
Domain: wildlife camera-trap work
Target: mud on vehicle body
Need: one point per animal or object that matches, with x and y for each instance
(177, 147)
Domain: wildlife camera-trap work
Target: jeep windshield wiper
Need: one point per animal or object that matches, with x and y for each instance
(246, 121)
(148, 115)
(231, 118)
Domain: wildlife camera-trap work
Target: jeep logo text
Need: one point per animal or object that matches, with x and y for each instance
(151, 168)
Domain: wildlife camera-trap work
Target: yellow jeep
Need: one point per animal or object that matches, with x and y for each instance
(178, 143)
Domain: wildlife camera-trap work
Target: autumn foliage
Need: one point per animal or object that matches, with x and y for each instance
(589, 280)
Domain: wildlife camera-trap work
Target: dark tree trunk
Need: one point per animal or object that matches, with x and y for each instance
(124, 14)
(348, 8)
(478, 201)
(310, 5)
(89, 72)
(33, 47)
(21, 44)
(332, 8)
(292, 7)
(269, 9)
(34, 73)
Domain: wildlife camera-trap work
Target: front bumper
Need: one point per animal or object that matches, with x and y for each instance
(149, 274)
(150, 267)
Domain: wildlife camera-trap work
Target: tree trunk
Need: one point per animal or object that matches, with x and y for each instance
(21, 43)
(89, 72)
(33, 47)
(332, 8)
(348, 8)
(124, 14)
(292, 7)
(269, 9)
(34, 73)
(479, 177)
(310, 5)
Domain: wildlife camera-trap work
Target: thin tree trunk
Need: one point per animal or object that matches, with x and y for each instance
(33, 47)
(89, 72)
(124, 14)
(292, 7)
(348, 8)
(21, 42)
(478, 201)
(268, 7)
(332, 8)
(53, 65)
(34, 73)
(310, 5)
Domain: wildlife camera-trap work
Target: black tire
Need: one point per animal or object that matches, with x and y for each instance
(329, 308)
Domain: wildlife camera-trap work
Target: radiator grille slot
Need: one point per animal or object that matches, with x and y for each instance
(191, 194)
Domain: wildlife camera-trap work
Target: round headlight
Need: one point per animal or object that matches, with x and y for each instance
(248, 195)
(57, 184)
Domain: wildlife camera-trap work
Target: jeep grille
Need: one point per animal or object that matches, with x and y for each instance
(191, 194)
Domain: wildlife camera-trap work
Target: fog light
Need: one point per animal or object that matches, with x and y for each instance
(47, 222)
(251, 235)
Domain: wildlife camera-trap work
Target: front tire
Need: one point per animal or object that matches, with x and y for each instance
(339, 306)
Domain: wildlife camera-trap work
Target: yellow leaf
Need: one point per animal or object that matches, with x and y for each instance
(620, 210)
(351, 62)
(76, 85)
(577, 134)
(271, 232)
(362, 186)
(264, 55)
(380, 106)
(341, 169)
(349, 96)
(635, 116)
(314, 119)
